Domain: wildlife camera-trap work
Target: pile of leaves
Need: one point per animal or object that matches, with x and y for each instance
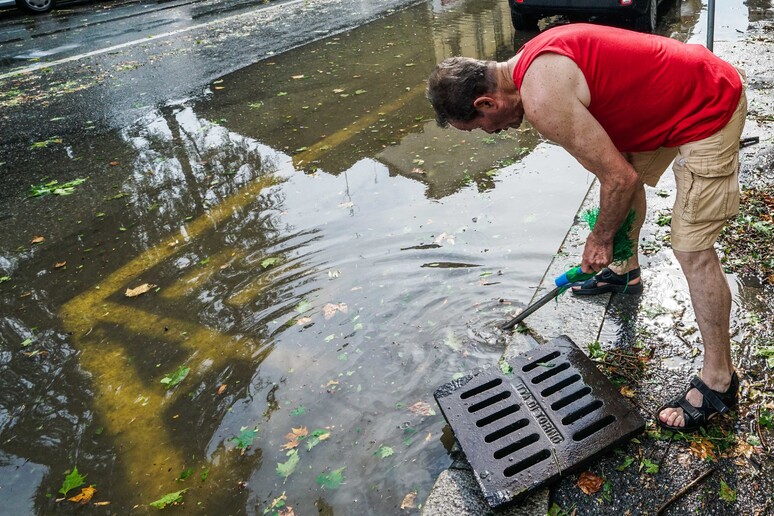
(748, 240)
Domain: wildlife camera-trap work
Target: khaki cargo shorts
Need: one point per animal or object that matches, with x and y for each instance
(707, 177)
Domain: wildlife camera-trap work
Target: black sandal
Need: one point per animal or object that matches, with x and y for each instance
(713, 404)
(615, 283)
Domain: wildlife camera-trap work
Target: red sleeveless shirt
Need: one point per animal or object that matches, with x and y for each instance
(647, 91)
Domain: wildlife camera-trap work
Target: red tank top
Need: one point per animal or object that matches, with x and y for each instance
(647, 91)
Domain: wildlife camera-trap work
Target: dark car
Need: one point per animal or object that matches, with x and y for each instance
(641, 14)
(31, 6)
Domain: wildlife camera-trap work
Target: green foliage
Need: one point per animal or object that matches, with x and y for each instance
(331, 480)
(71, 481)
(726, 493)
(383, 452)
(766, 419)
(245, 438)
(650, 466)
(285, 469)
(185, 474)
(270, 262)
(596, 352)
(316, 437)
(628, 461)
(505, 367)
(173, 379)
(298, 411)
(53, 187)
(169, 499)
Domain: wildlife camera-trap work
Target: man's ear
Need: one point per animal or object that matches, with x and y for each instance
(485, 103)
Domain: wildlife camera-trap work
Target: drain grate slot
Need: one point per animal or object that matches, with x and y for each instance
(499, 434)
(518, 445)
(526, 463)
(593, 428)
(488, 420)
(571, 398)
(482, 388)
(547, 417)
(490, 401)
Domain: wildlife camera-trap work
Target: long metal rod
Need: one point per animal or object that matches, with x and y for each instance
(710, 24)
(531, 308)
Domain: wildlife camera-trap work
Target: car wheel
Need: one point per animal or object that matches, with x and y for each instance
(524, 21)
(35, 6)
(648, 21)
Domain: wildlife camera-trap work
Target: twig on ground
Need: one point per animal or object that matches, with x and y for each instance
(684, 490)
(758, 426)
(666, 452)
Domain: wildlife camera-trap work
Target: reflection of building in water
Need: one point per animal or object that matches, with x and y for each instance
(362, 94)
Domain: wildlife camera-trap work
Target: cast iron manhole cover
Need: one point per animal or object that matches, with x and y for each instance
(552, 414)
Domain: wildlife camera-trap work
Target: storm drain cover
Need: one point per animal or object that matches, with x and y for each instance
(526, 428)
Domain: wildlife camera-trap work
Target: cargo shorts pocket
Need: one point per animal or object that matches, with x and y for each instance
(706, 193)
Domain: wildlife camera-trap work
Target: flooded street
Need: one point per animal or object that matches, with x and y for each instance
(255, 291)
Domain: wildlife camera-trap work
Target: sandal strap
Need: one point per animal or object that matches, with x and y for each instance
(606, 275)
(692, 412)
(710, 396)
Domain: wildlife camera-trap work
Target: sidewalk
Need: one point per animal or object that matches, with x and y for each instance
(650, 345)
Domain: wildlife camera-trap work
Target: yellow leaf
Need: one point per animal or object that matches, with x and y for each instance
(590, 483)
(142, 289)
(295, 435)
(303, 321)
(409, 501)
(59, 265)
(627, 391)
(38, 239)
(703, 449)
(84, 496)
(330, 309)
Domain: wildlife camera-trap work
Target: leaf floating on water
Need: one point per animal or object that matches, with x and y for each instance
(590, 483)
(245, 438)
(271, 261)
(71, 481)
(330, 309)
(142, 289)
(303, 306)
(422, 408)
(173, 379)
(285, 469)
(409, 501)
(384, 451)
(84, 496)
(333, 479)
(294, 437)
(169, 499)
(317, 437)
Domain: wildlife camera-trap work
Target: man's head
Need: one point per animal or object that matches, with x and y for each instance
(466, 94)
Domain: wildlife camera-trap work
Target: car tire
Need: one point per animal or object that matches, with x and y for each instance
(524, 22)
(648, 21)
(35, 6)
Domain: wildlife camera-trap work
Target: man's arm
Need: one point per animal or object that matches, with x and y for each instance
(555, 96)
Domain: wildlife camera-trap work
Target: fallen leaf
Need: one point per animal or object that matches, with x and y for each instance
(38, 240)
(417, 170)
(338, 90)
(298, 76)
(84, 496)
(303, 321)
(422, 408)
(114, 163)
(294, 436)
(222, 388)
(703, 449)
(409, 501)
(330, 309)
(627, 391)
(590, 483)
(59, 265)
(142, 289)
(100, 504)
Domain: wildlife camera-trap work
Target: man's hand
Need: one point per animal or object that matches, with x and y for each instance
(597, 254)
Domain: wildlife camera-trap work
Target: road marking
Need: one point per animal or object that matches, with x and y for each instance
(128, 44)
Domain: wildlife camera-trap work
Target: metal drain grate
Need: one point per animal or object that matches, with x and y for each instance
(552, 414)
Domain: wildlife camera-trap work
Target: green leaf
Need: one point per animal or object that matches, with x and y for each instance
(169, 499)
(71, 481)
(726, 493)
(383, 452)
(766, 419)
(331, 480)
(505, 367)
(650, 466)
(269, 262)
(300, 411)
(245, 438)
(316, 437)
(303, 306)
(595, 351)
(628, 461)
(285, 469)
(185, 474)
(3, 279)
(27, 342)
(173, 379)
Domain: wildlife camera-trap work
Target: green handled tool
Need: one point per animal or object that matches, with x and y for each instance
(623, 249)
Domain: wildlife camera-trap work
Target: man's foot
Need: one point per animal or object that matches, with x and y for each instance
(698, 405)
(608, 281)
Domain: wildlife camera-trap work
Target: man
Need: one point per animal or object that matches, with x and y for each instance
(626, 105)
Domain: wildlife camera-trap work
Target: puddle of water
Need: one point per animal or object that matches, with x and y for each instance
(322, 257)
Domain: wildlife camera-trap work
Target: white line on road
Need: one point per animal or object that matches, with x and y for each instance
(50, 64)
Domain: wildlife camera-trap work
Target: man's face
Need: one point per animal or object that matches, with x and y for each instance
(493, 119)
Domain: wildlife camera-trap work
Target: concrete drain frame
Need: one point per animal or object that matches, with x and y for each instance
(550, 416)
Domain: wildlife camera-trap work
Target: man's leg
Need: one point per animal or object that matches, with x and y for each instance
(711, 299)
